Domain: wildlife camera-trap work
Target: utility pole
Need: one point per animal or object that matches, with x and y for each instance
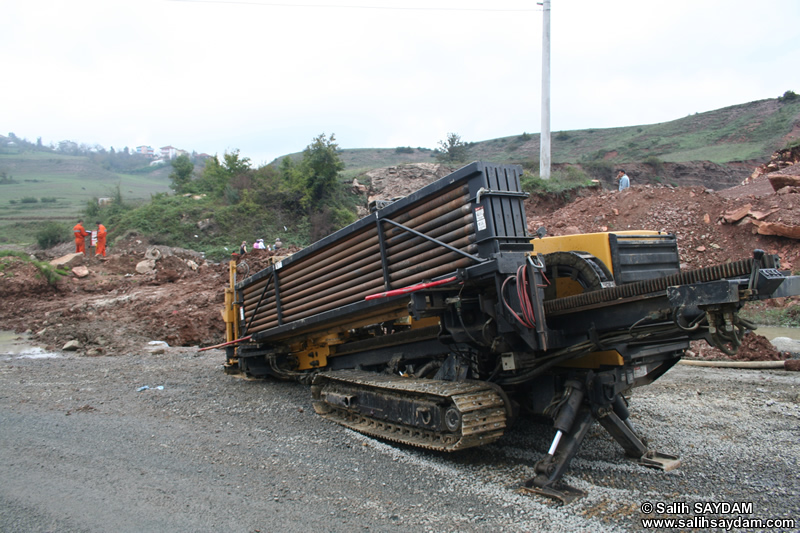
(544, 139)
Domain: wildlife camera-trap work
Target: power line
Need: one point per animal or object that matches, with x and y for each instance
(343, 6)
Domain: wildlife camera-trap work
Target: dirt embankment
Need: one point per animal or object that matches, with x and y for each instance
(120, 304)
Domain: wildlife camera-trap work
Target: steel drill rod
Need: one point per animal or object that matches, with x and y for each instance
(425, 221)
(434, 228)
(335, 298)
(355, 244)
(312, 283)
(421, 256)
(426, 269)
(344, 264)
(331, 288)
(314, 269)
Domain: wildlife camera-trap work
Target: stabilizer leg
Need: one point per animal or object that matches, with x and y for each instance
(616, 423)
(551, 468)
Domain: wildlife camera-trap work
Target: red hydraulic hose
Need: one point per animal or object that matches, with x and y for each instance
(411, 288)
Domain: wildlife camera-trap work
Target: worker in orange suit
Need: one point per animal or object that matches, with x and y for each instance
(80, 237)
(101, 239)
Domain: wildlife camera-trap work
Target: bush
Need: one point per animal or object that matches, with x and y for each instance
(562, 181)
(50, 234)
(788, 96)
(48, 200)
(50, 273)
(599, 169)
(404, 150)
(654, 162)
(29, 200)
(92, 209)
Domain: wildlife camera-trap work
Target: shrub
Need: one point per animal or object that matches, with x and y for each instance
(50, 234)
(48, 200)
(654, 162)
(29, 200)
(92, 209)
(788, 96)
(562, 181)
(50, 273)
(404, 150)
(599, 168)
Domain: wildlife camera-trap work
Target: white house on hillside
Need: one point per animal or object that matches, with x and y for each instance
(169, 152)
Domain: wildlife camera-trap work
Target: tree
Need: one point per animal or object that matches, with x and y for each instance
(181, 176)
(217, 176)
(320, 168)
(452, 149)
(788, 96)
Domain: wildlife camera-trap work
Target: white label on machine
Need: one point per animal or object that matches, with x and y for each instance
(508, 362)
(479, 218)
(278, 265)
(639, 371)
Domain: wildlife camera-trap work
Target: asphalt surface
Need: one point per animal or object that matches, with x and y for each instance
(83, 449)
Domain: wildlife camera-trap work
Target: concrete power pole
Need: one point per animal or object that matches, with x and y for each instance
(544, 144)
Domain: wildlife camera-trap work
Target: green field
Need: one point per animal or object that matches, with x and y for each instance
(41, 187)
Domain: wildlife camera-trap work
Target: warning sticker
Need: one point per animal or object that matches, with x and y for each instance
(479, 218)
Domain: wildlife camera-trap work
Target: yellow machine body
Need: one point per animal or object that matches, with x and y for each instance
(598, 245)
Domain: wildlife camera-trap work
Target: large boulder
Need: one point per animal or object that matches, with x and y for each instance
(80, 271)
(68, 261)
(146, 266)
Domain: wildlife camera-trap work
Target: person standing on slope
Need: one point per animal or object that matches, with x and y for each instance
(623, 179)
(80, 237)
(101, 239)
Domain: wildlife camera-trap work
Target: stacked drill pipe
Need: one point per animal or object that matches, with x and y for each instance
(350, 269)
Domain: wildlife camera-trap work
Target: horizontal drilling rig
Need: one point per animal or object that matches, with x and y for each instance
(437, 319)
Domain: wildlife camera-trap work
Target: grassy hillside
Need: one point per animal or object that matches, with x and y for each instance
(41, 186)
(746, 132)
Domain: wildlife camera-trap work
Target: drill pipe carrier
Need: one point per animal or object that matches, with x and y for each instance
(438, 318)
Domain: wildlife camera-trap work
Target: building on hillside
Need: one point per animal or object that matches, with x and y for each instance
(146, 151)
(170, 152)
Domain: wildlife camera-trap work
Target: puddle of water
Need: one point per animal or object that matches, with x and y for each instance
(15, 346)
(772, 332)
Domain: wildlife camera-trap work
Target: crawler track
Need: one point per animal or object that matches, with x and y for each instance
(432, 414)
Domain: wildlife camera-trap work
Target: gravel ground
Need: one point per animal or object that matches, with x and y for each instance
(81, 449)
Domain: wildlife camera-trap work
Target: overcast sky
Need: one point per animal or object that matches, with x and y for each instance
(266, 77)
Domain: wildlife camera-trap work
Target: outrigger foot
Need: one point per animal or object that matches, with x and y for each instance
(572, 423)
(558, 491)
